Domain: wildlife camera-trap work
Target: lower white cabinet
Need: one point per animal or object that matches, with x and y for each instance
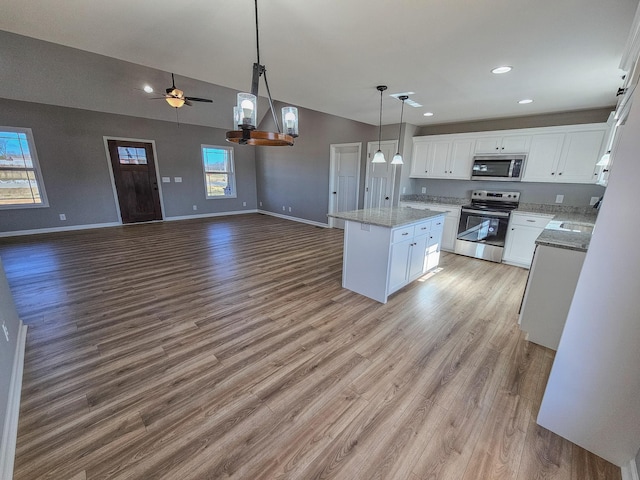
(380, 260)
(524, 229)
(451, 221)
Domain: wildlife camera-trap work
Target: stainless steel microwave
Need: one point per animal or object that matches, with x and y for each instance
(504, 168)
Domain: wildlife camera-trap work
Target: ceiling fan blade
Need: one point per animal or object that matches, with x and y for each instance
(196, 99)
(187, 102)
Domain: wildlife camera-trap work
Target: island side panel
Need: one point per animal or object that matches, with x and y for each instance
(366, 259)
(550, 289)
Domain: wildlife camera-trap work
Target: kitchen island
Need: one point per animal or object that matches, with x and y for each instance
(387, 248)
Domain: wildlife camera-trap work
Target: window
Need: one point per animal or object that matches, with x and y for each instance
(219, 176)
(132, 156)
(20, 179)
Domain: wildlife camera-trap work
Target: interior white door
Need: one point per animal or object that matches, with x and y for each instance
(344, 180)
(380, 176)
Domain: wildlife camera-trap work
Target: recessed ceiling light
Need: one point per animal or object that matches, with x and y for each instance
(428, 114)
(525, 101)
(148, 89)
(503, 69)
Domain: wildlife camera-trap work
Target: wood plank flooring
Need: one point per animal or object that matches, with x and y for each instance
(226, 348)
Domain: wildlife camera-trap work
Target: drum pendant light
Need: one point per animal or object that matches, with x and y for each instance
(245, 112)
(397, 158)
(379, 156)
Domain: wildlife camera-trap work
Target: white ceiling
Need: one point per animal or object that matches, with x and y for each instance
(329, 55)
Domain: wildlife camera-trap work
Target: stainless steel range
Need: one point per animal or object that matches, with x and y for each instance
(483, 224)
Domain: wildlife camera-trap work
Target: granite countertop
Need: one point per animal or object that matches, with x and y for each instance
(389, 217)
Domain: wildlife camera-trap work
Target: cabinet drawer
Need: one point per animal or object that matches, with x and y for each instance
(422, 228)
(530, 221)
(402, 233)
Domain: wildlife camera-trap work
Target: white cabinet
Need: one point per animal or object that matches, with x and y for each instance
(442, 157)
(543, 159)
(565, 158)
(503, 144)
(561, 154)
(410, 255)
(379, 260)
(451, 221)
(522, 233)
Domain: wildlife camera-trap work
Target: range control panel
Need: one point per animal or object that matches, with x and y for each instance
(496, 196)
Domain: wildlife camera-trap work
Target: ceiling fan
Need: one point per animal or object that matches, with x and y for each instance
(175, 97)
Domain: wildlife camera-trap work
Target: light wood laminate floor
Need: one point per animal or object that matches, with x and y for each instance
(226, 348)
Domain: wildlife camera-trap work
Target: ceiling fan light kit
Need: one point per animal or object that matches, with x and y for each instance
(245, 112)
(175, 97)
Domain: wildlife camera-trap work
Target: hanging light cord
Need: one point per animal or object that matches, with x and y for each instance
(263, 71)
(400, 132)
(257, 36)
(380, 122)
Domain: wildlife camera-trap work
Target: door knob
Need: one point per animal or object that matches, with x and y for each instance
(386, 198)
(335, 193)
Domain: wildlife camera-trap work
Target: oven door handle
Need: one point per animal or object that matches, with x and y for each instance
(484, 213)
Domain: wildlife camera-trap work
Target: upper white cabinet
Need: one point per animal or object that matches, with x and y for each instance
(565, 158)
(442, 156)
(563, 154)
(503, 144)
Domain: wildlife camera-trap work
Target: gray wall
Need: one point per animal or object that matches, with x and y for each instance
(577, 195)
(9, 317)
(72, 156)
(298, 176)
(599, 115)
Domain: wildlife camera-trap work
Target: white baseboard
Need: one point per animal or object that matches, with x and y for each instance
(630, 471)
(207, 215)
(36, 231)
(10, 432)
(295, 219)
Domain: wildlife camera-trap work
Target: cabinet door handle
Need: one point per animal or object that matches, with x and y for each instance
(560, 173)
(553, 173)
(405, 233)
(529, 220)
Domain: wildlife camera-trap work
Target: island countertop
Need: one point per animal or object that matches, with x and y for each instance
(389, 217)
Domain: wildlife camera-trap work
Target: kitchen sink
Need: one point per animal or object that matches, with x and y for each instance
(571, 226)
(577, 227)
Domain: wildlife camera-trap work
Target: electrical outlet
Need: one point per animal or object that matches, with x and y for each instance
(593, 201)
(404, 189)
(559, 198)
(195, 207)
(6, 331)
(244, 204)
(260, 203)
(283, 208)
(177, 179)
(289, 208)
(166, 179)
(424, 189)
(63, 216)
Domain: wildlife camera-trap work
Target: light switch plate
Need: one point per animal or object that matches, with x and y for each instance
(177, 179)
(424, 189)
(559, 198)
(166, 179)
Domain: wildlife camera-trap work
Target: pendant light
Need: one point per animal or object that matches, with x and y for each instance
(245, 112)
(397, 158)
(379, 156)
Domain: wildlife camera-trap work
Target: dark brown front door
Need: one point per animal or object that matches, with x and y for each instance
(134, 173)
